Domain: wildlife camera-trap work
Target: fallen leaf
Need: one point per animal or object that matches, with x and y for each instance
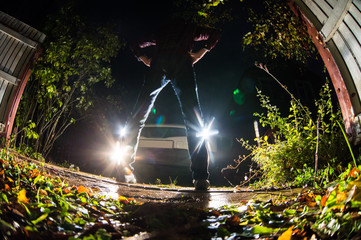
(123, 200)
(354, 172)
(67, 190)
(81, 189)
(263, 230)
(340, 197)
(233, 220)
(311, 204)
(7, 188)
(299, 233)
(286, 235)
(323, 201)
(22, 196)
(34, 173)
(42, 192)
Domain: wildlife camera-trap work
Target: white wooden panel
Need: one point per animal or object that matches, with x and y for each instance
(4, 85)
(332, 3)
(5, 48)
(324, 6)
(335, 19)
(2, 39)
(356, 13)
(352, 43)
(19, 69)
(16, 57)
(18, 36)
(349, 60)
(21, 27)
(7, 77)
(6, 101)
(316, 11)
(357, 4)
(6, 58)
(3, 43)
(353, 26)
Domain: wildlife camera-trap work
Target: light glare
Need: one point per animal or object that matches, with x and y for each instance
(204, 133)
(123, 132)
(118, 153)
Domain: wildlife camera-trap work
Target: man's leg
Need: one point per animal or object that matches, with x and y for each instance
(185, 86)
(154, 83)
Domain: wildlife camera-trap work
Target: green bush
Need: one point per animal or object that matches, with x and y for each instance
(298, 140)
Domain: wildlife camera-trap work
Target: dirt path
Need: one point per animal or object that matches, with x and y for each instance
(185, 196)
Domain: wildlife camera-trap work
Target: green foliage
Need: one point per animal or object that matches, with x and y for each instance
(290, 157)
(29, 130)
(278, 33)
(204, 12)
(75, 59)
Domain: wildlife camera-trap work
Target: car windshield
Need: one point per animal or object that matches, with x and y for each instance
(163, 132)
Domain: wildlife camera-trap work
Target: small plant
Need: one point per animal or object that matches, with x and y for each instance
(299, 142)
(173, 183)
(158, 181)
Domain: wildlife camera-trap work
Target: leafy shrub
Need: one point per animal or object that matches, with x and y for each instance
(298, 140)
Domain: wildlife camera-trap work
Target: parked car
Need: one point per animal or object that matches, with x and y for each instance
(163, 154)
(164, 136)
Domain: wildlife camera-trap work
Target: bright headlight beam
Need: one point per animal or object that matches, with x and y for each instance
(118, 153)
(123, 131)
(204, 133)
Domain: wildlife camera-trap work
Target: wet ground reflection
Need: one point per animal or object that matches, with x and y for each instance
(183, 196)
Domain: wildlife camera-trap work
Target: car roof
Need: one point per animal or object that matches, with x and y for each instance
(166, 125)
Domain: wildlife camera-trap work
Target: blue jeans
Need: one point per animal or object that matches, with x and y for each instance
(177, 70)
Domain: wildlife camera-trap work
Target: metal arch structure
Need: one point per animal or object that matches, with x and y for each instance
(20, 46)
(335, 29)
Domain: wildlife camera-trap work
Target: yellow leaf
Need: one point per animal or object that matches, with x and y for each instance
(42, 192)
(22, 196)
(286, 235)
(340, 197)
(123, 200)
(81, 189)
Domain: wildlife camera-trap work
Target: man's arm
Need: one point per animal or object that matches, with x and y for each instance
(146, 60)
(210, 36)
(138, 46)
(196, 56)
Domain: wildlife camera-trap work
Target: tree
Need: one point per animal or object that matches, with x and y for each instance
(278, 33)
(204, 12)
(60, 89)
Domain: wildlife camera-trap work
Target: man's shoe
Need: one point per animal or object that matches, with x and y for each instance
(201, 185)
(129, 176)
(126, 175)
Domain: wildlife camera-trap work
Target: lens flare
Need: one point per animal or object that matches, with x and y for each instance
(204, 132)
(119, 153)
(123, 131)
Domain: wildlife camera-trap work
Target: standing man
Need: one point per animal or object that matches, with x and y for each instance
(172, 62)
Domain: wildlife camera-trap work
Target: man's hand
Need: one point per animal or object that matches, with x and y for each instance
(146, 60)
(196, 56)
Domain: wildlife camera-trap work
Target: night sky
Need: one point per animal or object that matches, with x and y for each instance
(222, 71)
